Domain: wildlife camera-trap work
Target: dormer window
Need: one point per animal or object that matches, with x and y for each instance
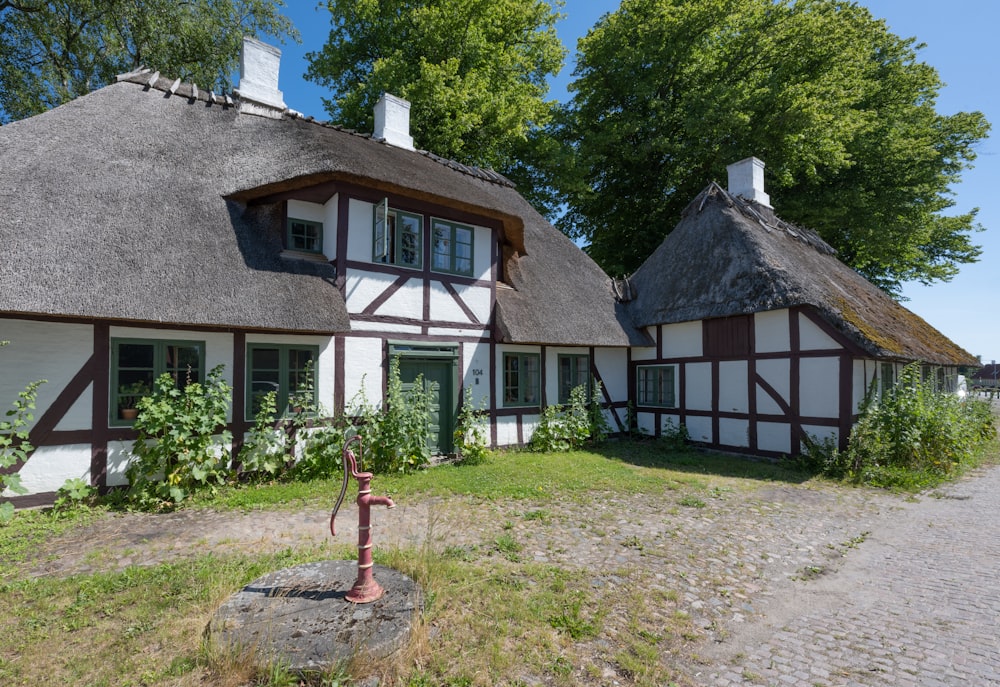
(397, 237)
(304, 235)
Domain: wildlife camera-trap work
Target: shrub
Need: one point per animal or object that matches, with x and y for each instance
(264, 453)
(914, 435)
(395, 438)
(182, 443)
(561, 428)
(471, 432)
(14, 445)
(322, 451)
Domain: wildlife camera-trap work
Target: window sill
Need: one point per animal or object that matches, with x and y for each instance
(290, 254)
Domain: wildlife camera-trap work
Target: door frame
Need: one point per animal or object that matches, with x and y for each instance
(444, 352)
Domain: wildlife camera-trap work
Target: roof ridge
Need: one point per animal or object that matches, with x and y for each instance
(762, 215)
(150, 79)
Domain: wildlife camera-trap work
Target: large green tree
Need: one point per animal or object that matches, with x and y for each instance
(474, 70)
(52, 52)
(668, 92)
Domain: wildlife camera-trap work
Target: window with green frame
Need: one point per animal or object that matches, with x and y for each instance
(137, 363)
(289, 370)
(304, 235)
(397, 237)
(888, 375)
(574, 370)
(451, 247)
(656, 385)
(521, 379)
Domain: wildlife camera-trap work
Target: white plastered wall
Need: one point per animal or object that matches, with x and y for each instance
(476, 372)
(362, 370)
(733, 387)
(698, 386)
(444, 307)
(777, 373)
(771, 333)
(53, 351)
(682, 340)
(819, 387)
(50, 466)
(699, 428)
(812, 338)
(774, 436)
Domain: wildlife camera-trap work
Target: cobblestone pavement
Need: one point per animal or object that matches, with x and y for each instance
(917, 603)
(785, 584)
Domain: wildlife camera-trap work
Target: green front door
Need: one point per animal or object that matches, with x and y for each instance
(438, 373)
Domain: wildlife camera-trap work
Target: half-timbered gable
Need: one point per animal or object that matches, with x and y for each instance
(761, 336)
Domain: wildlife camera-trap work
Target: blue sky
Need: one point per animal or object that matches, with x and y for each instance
(960, 38)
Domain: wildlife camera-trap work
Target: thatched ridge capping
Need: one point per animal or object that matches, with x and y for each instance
(760, 214)
(151, 80)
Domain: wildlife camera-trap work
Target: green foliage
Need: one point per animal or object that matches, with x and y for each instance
(264, 453)
(66, 48)
(322, 451)
(474, 70)
(675, 436)
(181, 444)
(597, 423)
(14, 444)
(395, 438)
(668, 92)
(912, 437)
(471, 431)
(73, 493)
(561, 428)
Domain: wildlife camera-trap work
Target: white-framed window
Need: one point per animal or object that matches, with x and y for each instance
(655, 386)
(451, 247)
(522, 379)
(397, 237)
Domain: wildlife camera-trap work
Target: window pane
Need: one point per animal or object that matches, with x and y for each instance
(135, 355)
(264, 358)
(510, 379)
(409, 240)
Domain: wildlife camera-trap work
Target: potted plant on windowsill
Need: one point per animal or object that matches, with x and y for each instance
(129, 396)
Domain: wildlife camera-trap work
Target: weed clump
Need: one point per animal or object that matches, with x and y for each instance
(911, 437)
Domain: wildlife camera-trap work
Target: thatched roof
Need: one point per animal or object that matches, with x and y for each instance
(147, 200)
(729, 256)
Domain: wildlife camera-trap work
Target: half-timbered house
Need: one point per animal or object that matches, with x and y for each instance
(152, 226)
(762, 336)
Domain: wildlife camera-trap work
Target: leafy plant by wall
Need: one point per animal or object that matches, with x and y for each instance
(911, 436)
(395, 436)
(471, 431)
(182, 444)
(561, 428)
(14, 445)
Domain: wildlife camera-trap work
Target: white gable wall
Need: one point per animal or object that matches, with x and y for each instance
(771, 334)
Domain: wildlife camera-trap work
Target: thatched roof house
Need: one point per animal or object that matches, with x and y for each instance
(730, 256)
(149, 200)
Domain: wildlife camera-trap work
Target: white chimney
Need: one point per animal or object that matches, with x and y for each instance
(392, 121)
(258, 88)
(746, 179)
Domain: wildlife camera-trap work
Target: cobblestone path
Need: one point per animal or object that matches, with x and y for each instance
(917, 603)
